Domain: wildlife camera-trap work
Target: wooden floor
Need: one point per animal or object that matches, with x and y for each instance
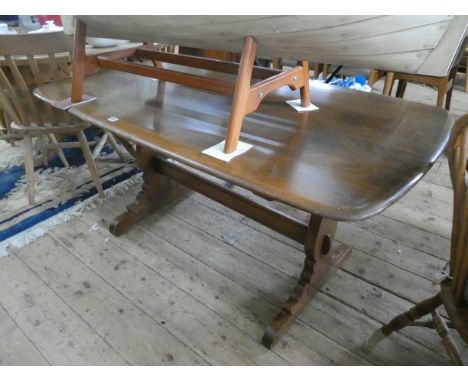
(197, 284)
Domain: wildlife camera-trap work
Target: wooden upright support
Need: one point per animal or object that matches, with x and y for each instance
(247, 98)
(305, 89)
(79, 61)
(241, 95)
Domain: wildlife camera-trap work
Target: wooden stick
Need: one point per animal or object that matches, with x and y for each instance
(305, 89)
(203, 63)
(448, 343)
(180, 78)
(389, 78)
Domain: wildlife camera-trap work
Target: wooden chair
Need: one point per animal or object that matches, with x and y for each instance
(321, 68)
(444, 85)
(454, 289)
(27, 61)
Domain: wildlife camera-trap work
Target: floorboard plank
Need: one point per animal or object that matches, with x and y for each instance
(260, 277)
(15, 347)
(54, 329)
(216, 340)
(225, 297)
(138, 338)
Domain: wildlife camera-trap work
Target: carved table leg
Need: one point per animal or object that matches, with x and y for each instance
(320, 259)
(156, 191)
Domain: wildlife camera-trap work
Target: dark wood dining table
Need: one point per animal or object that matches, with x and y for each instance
(349, 160)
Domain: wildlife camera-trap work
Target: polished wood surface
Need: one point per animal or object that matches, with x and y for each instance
(347, 161)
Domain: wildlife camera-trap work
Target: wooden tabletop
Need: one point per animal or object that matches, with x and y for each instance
(349, 160)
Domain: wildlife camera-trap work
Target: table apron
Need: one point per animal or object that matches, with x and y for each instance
(271, 218)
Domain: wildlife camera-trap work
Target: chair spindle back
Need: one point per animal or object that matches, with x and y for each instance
(457, 154)
(28, 61)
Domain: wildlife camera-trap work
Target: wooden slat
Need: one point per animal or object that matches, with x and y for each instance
(21, 84)
(180, 78)
(289, 227)
(17, 114)
(203, 63)
(57, 74)
(7, 105)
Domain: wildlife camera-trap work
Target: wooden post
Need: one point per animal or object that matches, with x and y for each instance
(241, 95)
(78, 64)
(389, 78)
(305, 89)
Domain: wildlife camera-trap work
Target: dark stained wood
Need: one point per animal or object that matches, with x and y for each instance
(162, 180)
(420, 310)
(286, 225)
(156, 191)
(351, 159)
(318, 265)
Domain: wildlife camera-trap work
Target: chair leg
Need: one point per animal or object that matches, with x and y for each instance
(416, 312)
(101, 143)
(116, 147)
(60, 153)
(450, 346)
(388, 85)
(400, 92)
(316, 70)
(441, 94)
(29, 166)
(448, 99)
(45, 152)
(449, 86)
(90, 162)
